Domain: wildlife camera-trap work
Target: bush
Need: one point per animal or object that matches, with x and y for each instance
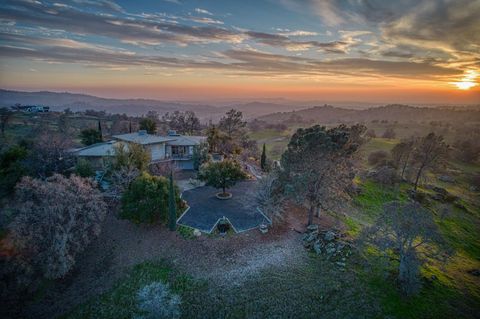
(146, 199)
(84, 168)
(378, 158)
(155, 301)
(12, 168)
(389, 133)
(384, 175)
(90, 136)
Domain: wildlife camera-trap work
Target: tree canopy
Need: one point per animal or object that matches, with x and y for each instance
(91, 136)
(183, 122)
(222, 175)
(318, 165)
(149, 125)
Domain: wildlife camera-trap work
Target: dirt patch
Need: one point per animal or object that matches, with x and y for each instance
(121, 245)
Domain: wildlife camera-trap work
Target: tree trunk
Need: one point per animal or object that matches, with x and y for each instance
(404, 167)
(317, 211)
(223, 188)
(419, 173)
(310, 215)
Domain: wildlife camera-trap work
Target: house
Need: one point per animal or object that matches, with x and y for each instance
(31, 108)
(174, 147)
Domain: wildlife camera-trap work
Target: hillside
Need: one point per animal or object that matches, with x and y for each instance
(400, 113)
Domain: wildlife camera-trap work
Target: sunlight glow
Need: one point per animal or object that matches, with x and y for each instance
(468, 81)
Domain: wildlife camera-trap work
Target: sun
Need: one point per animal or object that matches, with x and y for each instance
(468, 80)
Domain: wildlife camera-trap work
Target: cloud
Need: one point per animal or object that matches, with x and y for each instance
(297, 33)
(203, 11)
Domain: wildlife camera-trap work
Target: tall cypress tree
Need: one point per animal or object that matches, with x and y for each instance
(130, 127)
(172, 213)
(100, 130)
(263, 159)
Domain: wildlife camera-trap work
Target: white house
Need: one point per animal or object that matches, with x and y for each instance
(173, 147)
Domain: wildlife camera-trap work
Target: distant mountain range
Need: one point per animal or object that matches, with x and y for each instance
(82, 102)
(273, 110)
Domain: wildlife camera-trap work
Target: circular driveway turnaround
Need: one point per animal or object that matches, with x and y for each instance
(205, 209)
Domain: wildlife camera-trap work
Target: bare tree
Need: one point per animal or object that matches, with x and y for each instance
(51, 155)
(406, 233)
(232, 123)
(429, 152)
(402, 153)
(183, 122)
(55, 220)
(269, 196)
(121, 179)
(318, 165)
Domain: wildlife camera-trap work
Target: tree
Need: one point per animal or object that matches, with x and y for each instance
(389, 133)
(222, 174)
(430, 151)
(55, 220)
(121, 179)
(232, 123)
(100, 130)
(183, 122)
(131, 155)
(50, 154)
(91, 136)
(200, 155)
(5, 116)
(172, 212)
(148, 125)
(12, 168)
(401, 154)
(407, 233)
(269, 196)
(318, 165)
(213, 138)
(263, 158)
(146, 199)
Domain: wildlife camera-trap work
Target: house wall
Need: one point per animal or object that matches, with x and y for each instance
(157, 151)
(188, 164)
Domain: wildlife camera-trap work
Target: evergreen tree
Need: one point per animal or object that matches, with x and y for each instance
(100, 130)
(172, 213)
(263, 159)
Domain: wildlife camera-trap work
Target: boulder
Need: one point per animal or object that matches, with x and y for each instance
(330, 248)
(329, 236)
(446, 179)
(197, 233)
(317, 247)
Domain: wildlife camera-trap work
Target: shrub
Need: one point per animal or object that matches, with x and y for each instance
(384, 175)
(146, 199)
(91, 136)
(389, 133)
(155, 301)
(84, 168)
(378, 158)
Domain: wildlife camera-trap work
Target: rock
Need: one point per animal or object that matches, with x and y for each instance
(330, 248)
(474, 272)
(340, 247)
(329, 235)
(341, 264)
(309, 237)
(317, 247)
(312, 228)
(446, 179)
(197, 233)
(440, 190)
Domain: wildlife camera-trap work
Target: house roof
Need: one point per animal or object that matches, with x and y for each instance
(186, 140)
(99, 149)
(142, 138)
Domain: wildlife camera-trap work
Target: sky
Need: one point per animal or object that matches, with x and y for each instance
(378, 51)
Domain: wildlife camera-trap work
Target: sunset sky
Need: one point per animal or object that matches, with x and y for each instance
(350, 50)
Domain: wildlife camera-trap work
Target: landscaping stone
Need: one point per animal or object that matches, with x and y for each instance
(197, 233)
(329, 236)
(330, 248)
(312, 228)
(446, 179)
(317, 247)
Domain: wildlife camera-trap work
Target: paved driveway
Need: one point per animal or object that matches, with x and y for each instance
(205, 209)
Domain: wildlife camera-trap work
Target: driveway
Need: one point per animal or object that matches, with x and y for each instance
(205, 209)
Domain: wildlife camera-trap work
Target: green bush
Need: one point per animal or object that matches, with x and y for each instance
(84, 168)
(146, 200)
